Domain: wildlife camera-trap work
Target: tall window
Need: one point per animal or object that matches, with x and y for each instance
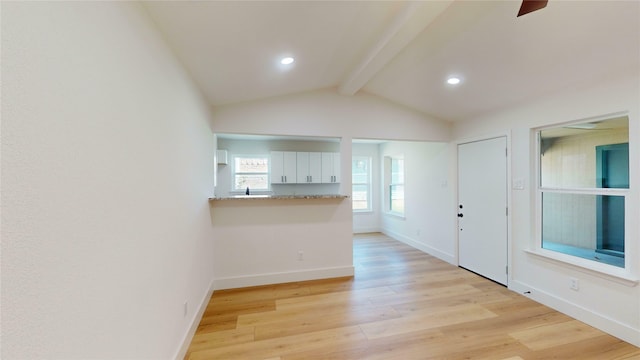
(361, 183)
(250, 172)
(396, 186)
(582, 190)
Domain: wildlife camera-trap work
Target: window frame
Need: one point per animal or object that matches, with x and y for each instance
(233, 190)
(620, 274)
(390, 184)
(368, 183)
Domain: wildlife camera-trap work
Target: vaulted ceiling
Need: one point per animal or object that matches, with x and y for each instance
(401, 50)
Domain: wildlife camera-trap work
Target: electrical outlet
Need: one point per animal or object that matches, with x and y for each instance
(418, 232)
(574, 284)
(185, 309)
(300, 255)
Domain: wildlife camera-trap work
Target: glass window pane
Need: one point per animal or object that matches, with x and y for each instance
(397, 198)
(584, 225)
(361, 186)
(360, 170)
(360, 166)
(251, 165)
(360, 178)
(612, 166)
(251, 172)
(360, 197)
(397, 171)
(253, 182)
(587, 155)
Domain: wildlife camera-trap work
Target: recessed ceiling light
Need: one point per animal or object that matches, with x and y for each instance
(453, 80)
(286, 61)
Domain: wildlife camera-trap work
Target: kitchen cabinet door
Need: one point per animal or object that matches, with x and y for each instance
(309, 167)
(283, 167)
(315, 167)
(330, 168)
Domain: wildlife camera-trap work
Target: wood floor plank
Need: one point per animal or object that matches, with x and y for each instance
(279, 347)
(234, 307)
(303, 313)
(421, 294)
(547, 336)
(413, 345)
(258, 294)
(332, 285)
(426, 319)
(203, 341)
(354, 297)
(597, 348)
(478, 347)
(221, 325)
(312, 322)
(401, 304)
(505, 323)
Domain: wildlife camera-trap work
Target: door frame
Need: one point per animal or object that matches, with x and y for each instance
(507, 135)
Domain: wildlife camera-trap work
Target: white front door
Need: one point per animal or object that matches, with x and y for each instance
(482, 208)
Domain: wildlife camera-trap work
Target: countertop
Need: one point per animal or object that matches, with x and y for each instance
(278, 197)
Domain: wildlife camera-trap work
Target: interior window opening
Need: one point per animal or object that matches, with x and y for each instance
(583, 185)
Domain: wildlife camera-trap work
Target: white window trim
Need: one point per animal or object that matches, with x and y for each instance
(395, 214)
(369, 208)
(620, 275)
(387, 205)
(391, 212)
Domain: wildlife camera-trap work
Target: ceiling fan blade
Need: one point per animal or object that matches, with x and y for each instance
(530, 6)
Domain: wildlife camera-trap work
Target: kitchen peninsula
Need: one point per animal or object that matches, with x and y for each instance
(297, 228)
(281, 238)
(279, 197)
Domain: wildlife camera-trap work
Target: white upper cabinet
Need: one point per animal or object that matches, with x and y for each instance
(309, 167)
(290, 167)
(330, 167)
(283, 167)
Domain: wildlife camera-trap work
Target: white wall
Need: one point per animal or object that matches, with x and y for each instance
(258, 241)
(429, 220)
(326, 113)
(318, 113)
(107, 159)
(602, 301)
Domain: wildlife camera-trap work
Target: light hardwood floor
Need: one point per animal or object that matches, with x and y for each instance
(401, 304)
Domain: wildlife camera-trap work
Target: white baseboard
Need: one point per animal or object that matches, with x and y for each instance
(422, 247)
(366, 230)
(277, 278)
(195, 321)
(599, 321)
